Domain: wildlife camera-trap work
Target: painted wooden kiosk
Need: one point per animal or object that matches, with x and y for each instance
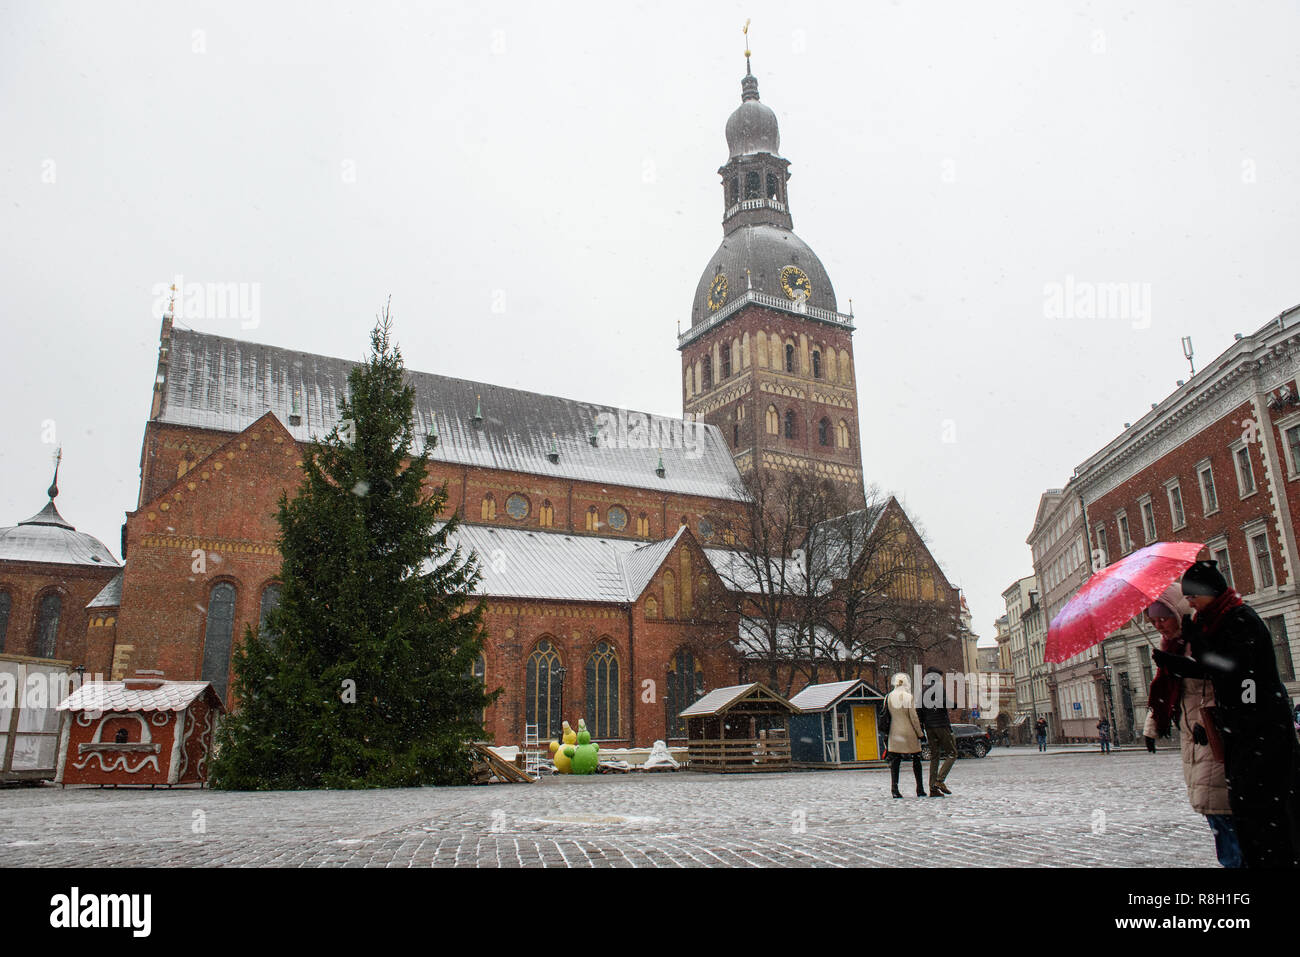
(144, 730)
(30, 689)
(838, 725)
(739, 728)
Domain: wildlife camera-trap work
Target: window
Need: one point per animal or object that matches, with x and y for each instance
(824, 432)
(708, 373)
(789, 423)
(789, 357)
(546, 515)
(1175, 493)
(1292, 436)
(617, 518)
(478, 669)
(488, 511)
(1101, 544)
(773, 420)
(517, 507)
(842, 434)
(1125, 540)
(217, 637)
(817, 364)
(1209, 499)
(685, 685)
(1220, 554)
(1261, 561)
(47, 625)
(773, 188)
(1245, 474)
(753, 185)
(841, 725)
(593, 519)
(643, 525)
(706, 529)
(270, 602)
(725, 370)
(6, 602)
(543, 684)
(735, 435)
(603, 717)
(670, 595)
(734, 190)
(1281, 648)
(1148, 518)
(651, 608)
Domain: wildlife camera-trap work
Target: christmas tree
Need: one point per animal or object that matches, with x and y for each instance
(363, 675)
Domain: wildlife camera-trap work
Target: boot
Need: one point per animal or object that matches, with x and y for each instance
(893, 779)
(916, 770)
(944, 788)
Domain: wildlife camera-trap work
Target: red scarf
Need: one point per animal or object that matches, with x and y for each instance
(1211, 616)
(1166, 689)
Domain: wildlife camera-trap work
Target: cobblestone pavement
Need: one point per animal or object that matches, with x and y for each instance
(1080, 810)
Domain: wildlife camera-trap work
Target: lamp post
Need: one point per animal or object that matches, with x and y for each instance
(559, 672)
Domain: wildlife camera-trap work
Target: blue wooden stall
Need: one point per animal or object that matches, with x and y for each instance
(837, 725)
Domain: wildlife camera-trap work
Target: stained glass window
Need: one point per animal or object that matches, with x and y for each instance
(517, 507)
(543, 683)
(685, 685)
(617, 518)
(218, 635)
(603, 717)
(270, 602)
(47, 625)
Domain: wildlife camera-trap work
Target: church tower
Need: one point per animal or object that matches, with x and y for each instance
(768, 357)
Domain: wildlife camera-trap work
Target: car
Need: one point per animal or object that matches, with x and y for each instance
(971, 740)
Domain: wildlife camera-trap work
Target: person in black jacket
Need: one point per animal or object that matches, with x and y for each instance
(933, 712)
(1233, 647)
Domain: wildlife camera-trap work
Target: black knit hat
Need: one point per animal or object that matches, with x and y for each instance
(1204, 578)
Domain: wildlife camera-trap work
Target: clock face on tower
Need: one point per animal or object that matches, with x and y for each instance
(794, 281)
(717, 292)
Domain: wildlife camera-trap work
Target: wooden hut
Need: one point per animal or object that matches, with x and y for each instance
(144, 730)
(739, 728)
(837, 726)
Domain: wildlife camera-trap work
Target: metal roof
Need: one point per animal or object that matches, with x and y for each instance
(720, 699)
(110, 596)
(116, 696)
(48, 537)
(820, 697)
(519, 563)
(226, 384)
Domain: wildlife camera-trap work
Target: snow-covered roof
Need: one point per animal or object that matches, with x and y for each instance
(719, 699)
(214, 382)
(116, 696)
(48, 537)
(737, 571)
(110, 596)
(819, 697)
(519, 563)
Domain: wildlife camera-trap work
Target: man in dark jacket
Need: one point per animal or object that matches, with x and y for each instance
(933, 711)
(1233, 647)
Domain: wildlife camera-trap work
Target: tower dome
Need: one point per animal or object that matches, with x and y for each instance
(752, 128)
(48, 537)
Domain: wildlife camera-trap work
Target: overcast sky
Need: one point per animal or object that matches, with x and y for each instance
(537, 191)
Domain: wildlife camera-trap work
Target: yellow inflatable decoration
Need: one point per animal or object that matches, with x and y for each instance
(568, 738)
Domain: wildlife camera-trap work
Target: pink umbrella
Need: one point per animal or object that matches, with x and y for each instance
(1114, 595)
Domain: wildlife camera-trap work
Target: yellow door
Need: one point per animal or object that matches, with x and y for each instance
(865, 745)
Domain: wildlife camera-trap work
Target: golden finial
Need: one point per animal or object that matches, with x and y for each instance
(171, 305)
(745, 31)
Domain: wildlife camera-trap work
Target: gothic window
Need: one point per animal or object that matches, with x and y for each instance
(489, 509)
(542, 688)
(735, 355)
(651, 608)
(708, 373)
(789, 357)
(617, 518)
(753, 185)
(817, 364)
(670, 595)
(517, 507)
(735, 436)
(270, 602)
(830, 366)
(773, 187)
(546, 516)
(689, 381)
(593, 519)
(773, 420)
(643, 525)
(47, 625)
(824, 432)
(6, 602)
(724, 371)
(789, 424)
(685, 685)
(217, 636)
(842, 434)
(706, 529)
(603, 717)
(846, 369)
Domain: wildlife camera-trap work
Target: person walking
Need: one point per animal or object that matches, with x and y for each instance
(1233, 648)
(904, 732)
(1103, 735)
(938, 730)
(1188, 703)
(1040, 728)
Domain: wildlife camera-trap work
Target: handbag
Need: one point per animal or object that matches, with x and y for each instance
(1212, 733)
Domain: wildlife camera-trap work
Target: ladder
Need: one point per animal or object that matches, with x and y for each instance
(532, 751)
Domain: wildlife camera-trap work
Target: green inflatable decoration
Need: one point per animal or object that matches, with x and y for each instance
(585, 754)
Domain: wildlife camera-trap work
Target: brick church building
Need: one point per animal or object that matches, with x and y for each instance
(594, 526)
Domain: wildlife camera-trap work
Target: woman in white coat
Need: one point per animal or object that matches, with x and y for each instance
(904, 732)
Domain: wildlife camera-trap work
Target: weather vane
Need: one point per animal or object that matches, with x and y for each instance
(745, 31)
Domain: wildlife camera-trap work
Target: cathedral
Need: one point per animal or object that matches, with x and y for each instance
(603, 570)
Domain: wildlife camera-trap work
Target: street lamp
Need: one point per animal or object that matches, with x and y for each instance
(559, 672)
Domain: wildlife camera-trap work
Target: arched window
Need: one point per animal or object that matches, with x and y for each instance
(734, 192)
(846, 368)
(217, 637)
(689, 379)
(670, 595)
(593, 519)
(735, 436)
(824, 431)
(47, 626)
(708, 374)
(753, 185)
(773, 421)
(706, 529)
(842, 434)
(546, 516)
(478, 669)
(489, 510)
(817, 364)
(789, 424)
(6, 602)
(643, 525)
(542, 689)
(604, 718)
(789, 357)
(702, 592)
(773, 188)
(724, 372)
(735, 355)
(685, 685)
(270, 602)
(651, 607)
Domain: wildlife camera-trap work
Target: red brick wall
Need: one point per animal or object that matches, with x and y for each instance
(29, 582)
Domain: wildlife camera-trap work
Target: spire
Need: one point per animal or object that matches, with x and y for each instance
(749, 85)
(53, 490)
(49, 515)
